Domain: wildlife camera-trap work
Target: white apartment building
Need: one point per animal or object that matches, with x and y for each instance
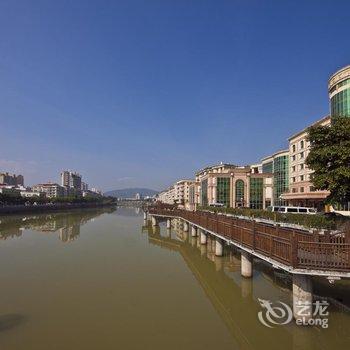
(181, 192)
(167, 196)
(52, 190)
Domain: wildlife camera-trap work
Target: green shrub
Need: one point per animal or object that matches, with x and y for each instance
(311, 221)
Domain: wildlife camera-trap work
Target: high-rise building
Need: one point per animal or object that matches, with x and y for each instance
(11, 180)
(84, 186)
(339, 92)
(71, 180)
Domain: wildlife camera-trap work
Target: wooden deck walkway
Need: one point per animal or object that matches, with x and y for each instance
(296, 251)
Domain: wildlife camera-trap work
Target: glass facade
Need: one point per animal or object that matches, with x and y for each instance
(267, 167)
(256, 193)
(280, 178)
(191, 194)
(239, 197)
(340, 103)
(204, 193)
(223, 191)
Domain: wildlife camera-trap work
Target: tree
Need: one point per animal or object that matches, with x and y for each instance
(329, 157)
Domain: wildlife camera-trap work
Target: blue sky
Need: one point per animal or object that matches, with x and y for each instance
(142, 93)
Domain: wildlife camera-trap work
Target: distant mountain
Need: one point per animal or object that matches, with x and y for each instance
(131, 192)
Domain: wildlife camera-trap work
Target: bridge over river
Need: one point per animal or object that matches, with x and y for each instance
(299, 252)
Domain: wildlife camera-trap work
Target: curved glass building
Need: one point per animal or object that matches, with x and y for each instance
(339, 92)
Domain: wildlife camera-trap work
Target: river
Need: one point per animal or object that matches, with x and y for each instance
(105, 279)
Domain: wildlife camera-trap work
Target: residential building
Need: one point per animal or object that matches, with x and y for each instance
(181, 192)
(301, 190)
(278, 165)
(52, 190)
(71, 179)
(167, 196)
(10, 191)
(84, 186)
(11, 180)
(339, 92)
(32, 194)
(93, 189)
(234, 186)
(193, 195)
(89, 193)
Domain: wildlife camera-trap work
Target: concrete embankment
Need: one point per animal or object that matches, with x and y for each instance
(18, 209)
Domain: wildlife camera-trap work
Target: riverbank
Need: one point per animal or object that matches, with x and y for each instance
(44, 208)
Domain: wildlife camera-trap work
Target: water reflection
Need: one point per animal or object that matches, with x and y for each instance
(67, 225)
(236, 298)
(154, 289)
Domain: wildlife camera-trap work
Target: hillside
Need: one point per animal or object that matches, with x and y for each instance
(131, 192)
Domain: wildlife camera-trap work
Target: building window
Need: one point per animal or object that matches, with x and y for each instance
(256, 193)
(302, 144)
(293, 168)
(293, 179)
(280, 178)
(267, 167)
(293, 158)
(302, 155)
(301, 189)
(301, 177)
(312, 189)
(293, 148)
(204, 188)
(294, 190)
(301, 166)
(223, 191)
(239, 193)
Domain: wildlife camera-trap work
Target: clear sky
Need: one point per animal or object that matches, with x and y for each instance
(144, 92)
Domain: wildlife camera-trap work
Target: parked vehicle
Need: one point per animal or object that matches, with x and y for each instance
(297, 210)
(273, 208)
(216, 205)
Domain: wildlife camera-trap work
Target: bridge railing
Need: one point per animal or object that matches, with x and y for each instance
(296, 248)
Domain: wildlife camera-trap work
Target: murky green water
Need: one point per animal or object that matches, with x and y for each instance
(99, 279)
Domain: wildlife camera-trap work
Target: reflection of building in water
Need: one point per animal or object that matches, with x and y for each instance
(67, 224)
(235, 298)
(68, 234)
(10, 233)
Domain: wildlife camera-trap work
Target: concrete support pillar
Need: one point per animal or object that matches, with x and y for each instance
(246, 264)
(194, 231)
(246, 287)
(168, 224)
(203, 249)
(185, 226)
(144, 215)
(203, 239)
(154, 221)
(302, 297)
(218, 263)
(219, 247)
(185, 236)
